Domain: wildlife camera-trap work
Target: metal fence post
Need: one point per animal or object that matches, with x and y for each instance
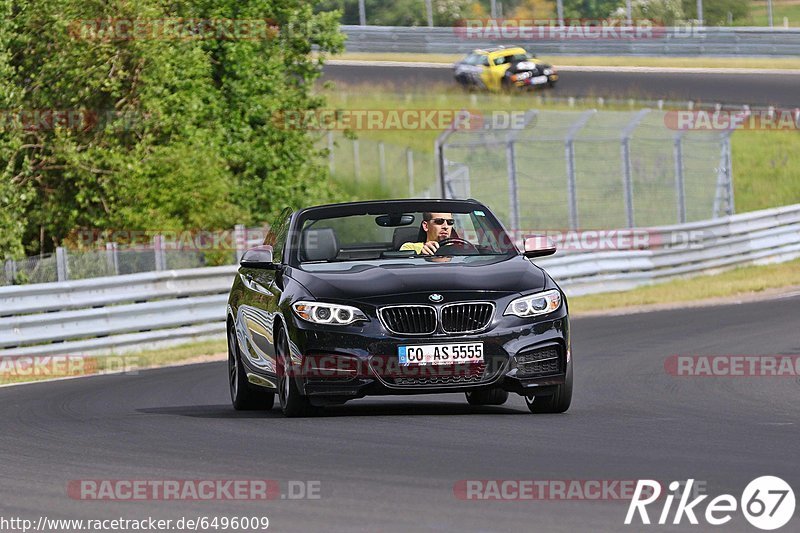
(112, 259)
(410, 171)
(158, 253)
(331, 157)
(680, 186)
(572, 182)
(731, 199)
(356, 160)
(429, 12)
(240, 239)
(511, 165)
(11, 271)
(513, 200)
(439, 148)
(627, 176)
(724, 192)
(382, 162)
(62, 265)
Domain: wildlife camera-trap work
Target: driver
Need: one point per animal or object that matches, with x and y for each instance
(435, 227)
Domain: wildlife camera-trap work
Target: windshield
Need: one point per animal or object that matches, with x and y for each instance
(402, 235)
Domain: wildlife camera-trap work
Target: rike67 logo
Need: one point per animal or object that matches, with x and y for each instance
(767, 502)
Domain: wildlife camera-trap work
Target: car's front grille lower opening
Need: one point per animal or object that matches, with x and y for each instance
(539, 362)
(438, 375)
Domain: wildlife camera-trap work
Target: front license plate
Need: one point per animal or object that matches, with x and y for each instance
(441, 354)
(539, 80)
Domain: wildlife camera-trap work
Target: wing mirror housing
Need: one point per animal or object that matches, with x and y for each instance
(258, 257)
(539, 246)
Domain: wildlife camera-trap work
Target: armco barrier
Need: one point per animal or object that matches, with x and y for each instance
(126, 312)
(698, 41)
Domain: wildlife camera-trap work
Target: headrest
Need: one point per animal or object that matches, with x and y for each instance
(402, 235)
(319, 245)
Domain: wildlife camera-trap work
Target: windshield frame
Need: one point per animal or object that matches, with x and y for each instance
(292, 257)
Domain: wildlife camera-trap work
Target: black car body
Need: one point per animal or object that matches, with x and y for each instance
(381, 308)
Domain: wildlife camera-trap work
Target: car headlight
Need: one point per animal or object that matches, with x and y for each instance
(324, 313)
(540, 303)
(548, 71)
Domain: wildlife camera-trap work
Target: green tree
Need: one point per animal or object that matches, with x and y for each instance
(715, 13)
(13, 195)
(576, 9)
(170, 133)
(401, 12)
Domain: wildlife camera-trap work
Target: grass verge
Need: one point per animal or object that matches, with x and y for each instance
(740, 281)
(20, 370)
(601, 61)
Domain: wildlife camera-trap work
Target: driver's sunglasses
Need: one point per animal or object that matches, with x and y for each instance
(441, 221)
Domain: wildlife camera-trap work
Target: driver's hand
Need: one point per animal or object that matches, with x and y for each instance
(430, 247)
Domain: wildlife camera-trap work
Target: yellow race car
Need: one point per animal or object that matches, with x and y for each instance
(504, 69)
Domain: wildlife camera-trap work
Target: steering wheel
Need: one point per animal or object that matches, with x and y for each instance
(457, 242)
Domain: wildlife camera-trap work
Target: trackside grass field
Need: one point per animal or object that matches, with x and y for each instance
(19, 370)
(740, 281)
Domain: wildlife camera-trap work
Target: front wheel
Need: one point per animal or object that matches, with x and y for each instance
(244, 397)
(558, 402)
(293, 404)
(496, 396)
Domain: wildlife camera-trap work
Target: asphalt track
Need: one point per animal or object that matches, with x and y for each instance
(780, 90)
(390, 464)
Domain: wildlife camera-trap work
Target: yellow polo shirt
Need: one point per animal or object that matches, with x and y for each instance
(416, 246)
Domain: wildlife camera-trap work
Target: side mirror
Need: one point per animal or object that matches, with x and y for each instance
(258, 257)
(539, 246)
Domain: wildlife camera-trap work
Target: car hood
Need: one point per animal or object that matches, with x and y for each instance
(384, 280)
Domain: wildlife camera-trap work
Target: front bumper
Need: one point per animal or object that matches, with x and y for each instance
(522, 356)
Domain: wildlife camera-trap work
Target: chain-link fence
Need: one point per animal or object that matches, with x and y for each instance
(590, 169)
(174, 251)
(400, 171)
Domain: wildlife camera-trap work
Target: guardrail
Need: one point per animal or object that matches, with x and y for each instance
(114, 313)
(129, 312)
(771, 235)
(678, 41)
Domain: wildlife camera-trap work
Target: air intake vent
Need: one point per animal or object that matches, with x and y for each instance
(409, 319)
(541, 362)
(466, 317)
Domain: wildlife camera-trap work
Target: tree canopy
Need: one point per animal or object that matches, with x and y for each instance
(154, 115)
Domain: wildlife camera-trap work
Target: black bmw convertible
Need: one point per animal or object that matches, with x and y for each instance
(391, 298)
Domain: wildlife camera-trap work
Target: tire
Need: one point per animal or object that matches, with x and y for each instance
(244, 396)
(293, 404)
(496, 396)
(555, 403)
